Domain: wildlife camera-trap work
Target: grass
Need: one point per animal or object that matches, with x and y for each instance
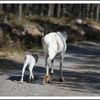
(48, 22)
(13, 57)
(19, 23)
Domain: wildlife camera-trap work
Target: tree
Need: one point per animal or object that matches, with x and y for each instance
(88, 10)
(7, 12)
(30, 9)
(91, 13)
(80, 11)
(64, 9)
(97, 12)
(51, 10)
(42, 8)
(20, 12)
(1, 7)
(59, 10)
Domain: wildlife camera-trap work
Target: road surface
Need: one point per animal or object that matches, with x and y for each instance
(81, 72)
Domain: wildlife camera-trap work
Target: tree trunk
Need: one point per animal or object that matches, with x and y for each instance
(20, 12)
(51, 10)
(59, 10)
(92, 8)
(97, 12)
(80, 11)
(7, 11)
(64, 10)
(1, 7)
(30, 10)
(42, 9)
(88, 10)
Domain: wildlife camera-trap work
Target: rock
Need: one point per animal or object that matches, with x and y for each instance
(79, 21)
(33, 30)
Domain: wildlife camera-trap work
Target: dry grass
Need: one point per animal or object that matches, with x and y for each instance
(12, 54)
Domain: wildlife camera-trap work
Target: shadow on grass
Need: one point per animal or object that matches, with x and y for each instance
(9, 64)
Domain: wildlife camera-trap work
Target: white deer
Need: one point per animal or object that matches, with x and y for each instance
(54, 43)
(30, 61)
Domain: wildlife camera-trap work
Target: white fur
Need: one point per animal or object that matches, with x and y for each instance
(53, 43)
(30, 62)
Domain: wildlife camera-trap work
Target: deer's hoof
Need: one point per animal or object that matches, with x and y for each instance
(51, 76)
(46, 79)
(31, 80)
(20, 82)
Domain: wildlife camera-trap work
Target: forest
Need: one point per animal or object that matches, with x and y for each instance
(23, 25)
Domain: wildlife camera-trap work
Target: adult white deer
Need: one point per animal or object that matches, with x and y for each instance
(54, 43)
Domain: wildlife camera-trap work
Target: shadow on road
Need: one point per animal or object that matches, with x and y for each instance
(76, 80)
(84, 50)
(9, 64)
